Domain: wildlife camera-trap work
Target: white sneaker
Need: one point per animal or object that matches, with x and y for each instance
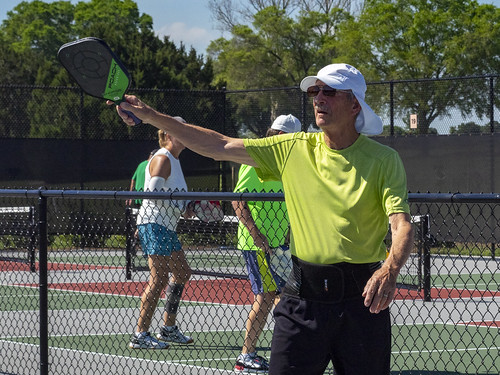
(146, 341)
(173, 335)
(251, 363)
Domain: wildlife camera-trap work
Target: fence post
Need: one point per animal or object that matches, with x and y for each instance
(223, 164)
(391, 86)
(426, 258)
(492, 106)
(128, 242)
(32, 240)
(303, 110)
(43, 286)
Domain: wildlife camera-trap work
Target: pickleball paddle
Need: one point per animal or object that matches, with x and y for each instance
(96, 69)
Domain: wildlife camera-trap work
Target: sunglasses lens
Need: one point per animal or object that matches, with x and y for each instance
(313, 91)
(328, 91)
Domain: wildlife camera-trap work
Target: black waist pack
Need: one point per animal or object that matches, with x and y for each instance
(328, 282)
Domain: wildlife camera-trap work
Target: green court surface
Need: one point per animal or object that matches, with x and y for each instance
(429, 346)
(18, 298)
(450, 335)
(484, 281)
(211, 349)
(434, 346)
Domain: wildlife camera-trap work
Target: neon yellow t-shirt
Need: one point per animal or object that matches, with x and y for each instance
(270, 217)
(338, 201)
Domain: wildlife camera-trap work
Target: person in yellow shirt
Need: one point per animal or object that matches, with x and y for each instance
(262, 226)
(341, 190)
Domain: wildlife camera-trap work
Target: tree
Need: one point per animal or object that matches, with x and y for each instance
(30, 37)
(230, 13)
(279, 49)
(473, 128)
(34, 31)
(421, 39)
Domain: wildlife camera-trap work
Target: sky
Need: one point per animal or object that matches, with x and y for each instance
(186, 21)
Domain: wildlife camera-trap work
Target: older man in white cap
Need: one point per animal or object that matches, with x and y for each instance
(262, 226)
(341, 189)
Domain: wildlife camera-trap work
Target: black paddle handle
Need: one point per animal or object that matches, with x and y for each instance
(136, 119)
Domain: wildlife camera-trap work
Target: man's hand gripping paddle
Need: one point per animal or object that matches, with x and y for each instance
(96, 69)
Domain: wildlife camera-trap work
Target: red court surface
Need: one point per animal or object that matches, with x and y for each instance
(227, 291)
(238, 292)
(233, 292)
(445, 293)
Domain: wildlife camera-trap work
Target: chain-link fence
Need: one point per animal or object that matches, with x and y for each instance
(73, 272)
(443, 106)
(85, 144)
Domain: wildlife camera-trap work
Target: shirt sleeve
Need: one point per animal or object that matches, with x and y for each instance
(394, 186)
(270, 154)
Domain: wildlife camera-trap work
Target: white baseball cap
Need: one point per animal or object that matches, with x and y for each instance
(287, 124)
(347, 77)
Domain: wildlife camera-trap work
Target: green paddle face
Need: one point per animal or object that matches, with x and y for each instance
(117, 84)
(96, 69)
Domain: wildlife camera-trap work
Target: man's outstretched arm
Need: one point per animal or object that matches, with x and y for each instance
(203, 141)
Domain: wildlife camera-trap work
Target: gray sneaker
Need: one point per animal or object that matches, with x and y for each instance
(174, 336)
(251, 363)
(146, 341)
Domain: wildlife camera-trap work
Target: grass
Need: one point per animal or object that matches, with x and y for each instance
(467, 249)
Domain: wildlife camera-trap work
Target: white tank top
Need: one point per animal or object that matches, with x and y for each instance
(164, 212)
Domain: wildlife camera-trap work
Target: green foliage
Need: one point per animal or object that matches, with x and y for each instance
(473, 128)
(387, 40)
(33, 33)
(464, 249)
(39, 27)
(397, 130)
(417, 39)
(63, 242)
(278, 51)
(8, 242)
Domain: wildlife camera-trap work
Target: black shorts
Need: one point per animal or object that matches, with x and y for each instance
(309, 333)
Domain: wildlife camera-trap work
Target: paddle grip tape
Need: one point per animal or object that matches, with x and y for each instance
(174, 292)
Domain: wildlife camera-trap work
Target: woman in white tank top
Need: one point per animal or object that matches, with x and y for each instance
(156, 223)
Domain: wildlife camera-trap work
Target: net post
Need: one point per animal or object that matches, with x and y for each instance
(426, 258)
(43, 286)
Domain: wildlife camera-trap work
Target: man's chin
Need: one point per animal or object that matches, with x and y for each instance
(320, 122)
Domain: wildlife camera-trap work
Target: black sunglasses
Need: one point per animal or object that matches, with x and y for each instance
(312, 91)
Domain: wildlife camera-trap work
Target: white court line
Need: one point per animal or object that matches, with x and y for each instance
(182, 361)
(178, 363)
(5, 338)
(445, 350)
